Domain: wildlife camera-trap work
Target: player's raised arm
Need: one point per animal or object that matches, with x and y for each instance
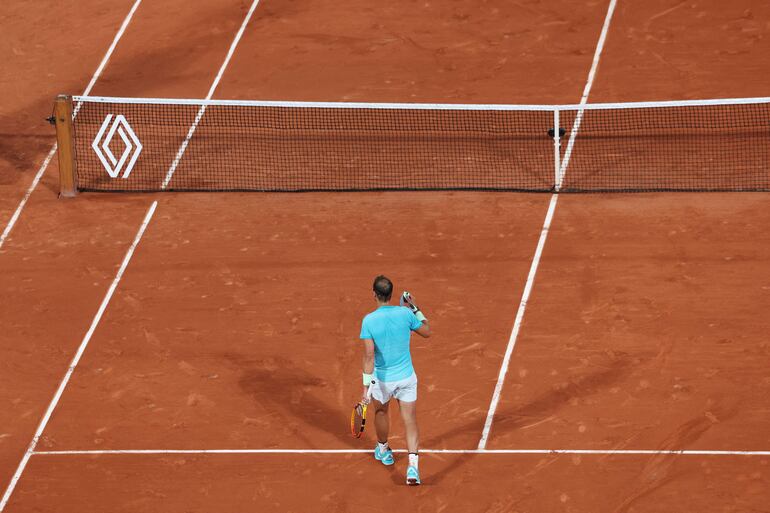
(423, 329)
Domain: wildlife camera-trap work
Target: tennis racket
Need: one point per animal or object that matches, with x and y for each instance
(358, 416)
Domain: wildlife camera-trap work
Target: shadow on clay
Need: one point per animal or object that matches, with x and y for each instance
(293, 393)
(546, 403)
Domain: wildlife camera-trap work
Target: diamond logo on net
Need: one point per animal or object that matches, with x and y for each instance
(117, 166)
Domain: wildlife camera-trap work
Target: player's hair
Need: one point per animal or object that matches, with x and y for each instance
(383, 288)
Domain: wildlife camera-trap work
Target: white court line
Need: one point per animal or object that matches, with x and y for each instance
(518, 321)
(51, 153)
(422, 106)
(541, 243)
(202, 109)
(31, 449)
(650, 452)
(586, 92)
(23, 202)
(76, 359)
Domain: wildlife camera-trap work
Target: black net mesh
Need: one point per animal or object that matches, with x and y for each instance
(303, 149)
(248, 147)
(688, 148)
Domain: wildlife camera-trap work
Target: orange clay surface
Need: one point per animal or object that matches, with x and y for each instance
(37, 64)
(256, 346)
(62, 256)
(236, 323)
(488, 483)
(645, 328)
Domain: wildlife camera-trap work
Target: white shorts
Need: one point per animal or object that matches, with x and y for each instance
(403, 390)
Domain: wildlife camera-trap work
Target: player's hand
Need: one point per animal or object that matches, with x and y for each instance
(408, 301)
(365, 396)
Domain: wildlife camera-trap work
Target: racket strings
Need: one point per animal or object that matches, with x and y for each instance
(358, 420)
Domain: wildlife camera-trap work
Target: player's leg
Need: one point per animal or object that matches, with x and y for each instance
(380, 403)
(381, 420)
(409, 416)
(407, 400)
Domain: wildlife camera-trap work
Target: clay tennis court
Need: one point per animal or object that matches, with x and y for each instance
(218, 331)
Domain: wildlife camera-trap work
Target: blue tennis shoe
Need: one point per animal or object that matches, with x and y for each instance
(386, 456)
(412, 476)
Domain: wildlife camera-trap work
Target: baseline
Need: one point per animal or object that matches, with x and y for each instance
(451, 483)
(652, 452)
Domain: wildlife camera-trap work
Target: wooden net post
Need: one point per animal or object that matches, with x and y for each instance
(68, 183)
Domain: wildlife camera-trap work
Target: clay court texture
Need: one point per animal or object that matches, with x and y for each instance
(199, 352)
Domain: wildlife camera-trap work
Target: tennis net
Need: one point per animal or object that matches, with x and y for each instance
(138, 144)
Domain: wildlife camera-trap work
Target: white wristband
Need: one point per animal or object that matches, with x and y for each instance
(368, 379)
(420, 316)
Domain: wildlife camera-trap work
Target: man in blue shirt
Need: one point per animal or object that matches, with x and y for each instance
(388, 369)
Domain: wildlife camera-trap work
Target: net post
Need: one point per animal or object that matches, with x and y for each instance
(556, 151)
(68, 186)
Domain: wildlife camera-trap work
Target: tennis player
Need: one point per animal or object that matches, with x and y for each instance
(386, 333)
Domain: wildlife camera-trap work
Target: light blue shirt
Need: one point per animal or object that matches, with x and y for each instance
(391, 328)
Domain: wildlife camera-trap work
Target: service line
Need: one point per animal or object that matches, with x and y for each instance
(544, 234)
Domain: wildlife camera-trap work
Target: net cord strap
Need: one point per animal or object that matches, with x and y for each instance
(556, 150)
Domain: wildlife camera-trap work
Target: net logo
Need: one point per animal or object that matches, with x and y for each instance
(132, 147)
